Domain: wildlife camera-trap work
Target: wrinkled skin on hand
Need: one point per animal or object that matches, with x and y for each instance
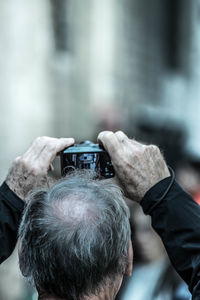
(30, 170)
(138, 167)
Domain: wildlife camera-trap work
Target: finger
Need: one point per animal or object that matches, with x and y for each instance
(101, 135)
(64, 143)
(51, 148)
(44, 149)
(110, 142)
(51, 168)
(137, 144)
(127, 144)
(121, 136)
(37, 146)
(44, 141)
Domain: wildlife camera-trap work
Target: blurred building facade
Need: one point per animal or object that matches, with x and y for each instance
(65, 63)
(72, 67)
(139, 58)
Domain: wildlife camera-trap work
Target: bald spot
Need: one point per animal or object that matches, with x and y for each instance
(75, 208)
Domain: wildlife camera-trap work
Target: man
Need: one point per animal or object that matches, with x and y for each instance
(142, 173)
(27, 171)
(75, 239)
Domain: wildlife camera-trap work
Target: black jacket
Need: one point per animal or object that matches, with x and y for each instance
(176, 218)
(11, 208)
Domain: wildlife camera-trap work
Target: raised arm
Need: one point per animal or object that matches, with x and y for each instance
(27, 171)
(145, 178)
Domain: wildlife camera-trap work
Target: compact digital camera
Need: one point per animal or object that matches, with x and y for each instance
(86, 156)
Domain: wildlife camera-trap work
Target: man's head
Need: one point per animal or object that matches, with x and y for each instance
(75, 237)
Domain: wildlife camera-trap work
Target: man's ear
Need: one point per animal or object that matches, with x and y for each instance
(129, 268)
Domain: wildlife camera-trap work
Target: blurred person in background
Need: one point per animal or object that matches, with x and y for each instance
(188, 175)
(153, 276)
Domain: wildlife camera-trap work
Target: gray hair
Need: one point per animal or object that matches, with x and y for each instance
(75, 237)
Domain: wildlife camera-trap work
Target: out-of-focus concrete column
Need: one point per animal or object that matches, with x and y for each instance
(25, 46)
(103, 54)
(71, 75)
(102, 50)
(192, 101)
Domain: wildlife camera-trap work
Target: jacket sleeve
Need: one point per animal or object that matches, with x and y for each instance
(11, 208)
(176, 218)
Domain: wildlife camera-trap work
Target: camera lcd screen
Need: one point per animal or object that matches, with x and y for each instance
(84, 156)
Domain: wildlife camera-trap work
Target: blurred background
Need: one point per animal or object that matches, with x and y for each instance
(75, 67)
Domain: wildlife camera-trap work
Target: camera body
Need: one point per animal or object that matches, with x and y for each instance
(86, 156)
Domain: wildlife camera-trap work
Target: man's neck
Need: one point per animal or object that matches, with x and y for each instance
(108, 293)
(101, 296)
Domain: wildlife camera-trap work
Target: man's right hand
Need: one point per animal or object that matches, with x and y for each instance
(30, 169)
(138, 167)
